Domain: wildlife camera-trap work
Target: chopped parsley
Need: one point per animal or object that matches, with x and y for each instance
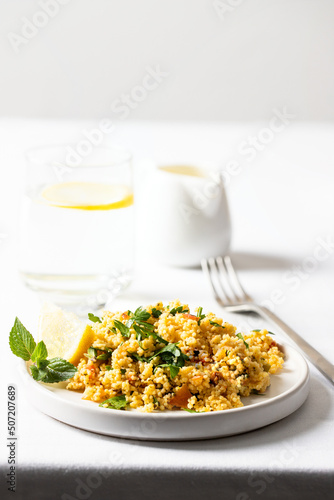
(266, 366)
(123, 329)
(172, 357)
(155, 401)
(200, 315)
(123, 371)
(156, 313)
(94, 319)
(173, 370)
(91, 353)
(270, 333)
(255, 391)
(240, 336)
(192, 411)
(142, 328)
(213, 323)
(177, 310)
(136, 357)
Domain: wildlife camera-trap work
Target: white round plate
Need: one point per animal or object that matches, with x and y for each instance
(287, 393)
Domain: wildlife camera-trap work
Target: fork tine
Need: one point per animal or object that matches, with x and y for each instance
(234, 278)
(223, 277)
(209, 269)
(216, 273)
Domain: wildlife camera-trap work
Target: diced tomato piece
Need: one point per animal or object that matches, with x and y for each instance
(190, 316)
(181, 397)
(125, 315)
(91, 368)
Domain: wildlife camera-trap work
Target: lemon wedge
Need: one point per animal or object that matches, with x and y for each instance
(64, 334)
(87, 195)
(184, 170)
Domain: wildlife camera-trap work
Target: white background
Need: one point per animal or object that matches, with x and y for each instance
(258, 54)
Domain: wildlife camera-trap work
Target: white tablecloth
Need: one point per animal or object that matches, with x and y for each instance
(282, 208)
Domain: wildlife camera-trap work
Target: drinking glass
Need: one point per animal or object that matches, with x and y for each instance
(76, 226)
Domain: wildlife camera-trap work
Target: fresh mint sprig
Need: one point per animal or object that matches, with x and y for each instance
(23, 345)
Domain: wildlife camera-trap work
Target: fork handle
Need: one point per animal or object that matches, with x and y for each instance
(317, 359)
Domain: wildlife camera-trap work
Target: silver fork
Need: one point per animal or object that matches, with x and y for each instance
(230, 295)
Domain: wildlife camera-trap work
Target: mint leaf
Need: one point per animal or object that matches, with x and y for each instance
(38, 373)
(59, 369)
(40, 352)
(93, 318)
(21, 342)
(115, 403)
(56, 373)
(156, 313)
(240, 336)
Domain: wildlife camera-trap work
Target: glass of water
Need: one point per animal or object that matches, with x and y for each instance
(76, 226)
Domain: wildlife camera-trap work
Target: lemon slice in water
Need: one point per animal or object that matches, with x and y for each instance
(64, 334)
(87, 196)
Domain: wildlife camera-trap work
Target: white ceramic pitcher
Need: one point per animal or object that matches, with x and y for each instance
(188, 213)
